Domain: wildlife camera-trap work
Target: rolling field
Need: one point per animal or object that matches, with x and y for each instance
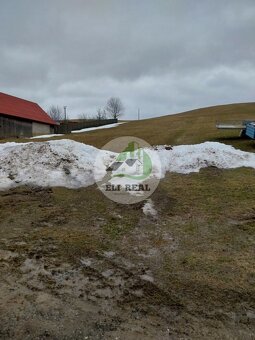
(190, 127)
(185, 128)
(75, 265)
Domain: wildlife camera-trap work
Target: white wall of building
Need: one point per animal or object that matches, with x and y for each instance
(41, 129)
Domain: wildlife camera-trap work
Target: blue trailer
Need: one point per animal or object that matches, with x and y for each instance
(250, 130)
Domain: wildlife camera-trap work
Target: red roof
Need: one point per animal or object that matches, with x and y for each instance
(21, 108)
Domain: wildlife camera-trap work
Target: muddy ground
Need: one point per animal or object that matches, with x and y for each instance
(74, 265)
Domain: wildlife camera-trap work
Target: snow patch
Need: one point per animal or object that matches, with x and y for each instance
(148, 208)
(109, 254)
(71, 164)
(86, 262)
(147, 277)
(191, 158)
(108, 126)
(46, 136)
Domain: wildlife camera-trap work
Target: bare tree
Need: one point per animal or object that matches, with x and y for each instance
(101, 114)
(56, 113)
(114, 107)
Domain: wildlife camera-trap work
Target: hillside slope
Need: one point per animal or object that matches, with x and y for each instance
(183, 128)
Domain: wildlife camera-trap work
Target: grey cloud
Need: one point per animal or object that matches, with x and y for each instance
(162, 56)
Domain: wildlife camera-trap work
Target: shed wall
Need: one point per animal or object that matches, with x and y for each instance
(41, 129)
(12, 127)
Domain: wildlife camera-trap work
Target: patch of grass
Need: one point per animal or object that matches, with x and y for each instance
(71, 243)
(115, 228)
(213, 220)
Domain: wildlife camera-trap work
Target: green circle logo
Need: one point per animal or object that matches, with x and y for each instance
(130, 170)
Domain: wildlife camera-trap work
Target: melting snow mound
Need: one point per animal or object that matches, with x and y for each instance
(54, 163)
(72, 164)
(191, 158)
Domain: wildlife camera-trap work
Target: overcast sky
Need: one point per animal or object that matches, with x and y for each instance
(164, 56)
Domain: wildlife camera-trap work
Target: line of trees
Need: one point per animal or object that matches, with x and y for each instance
(114, 108)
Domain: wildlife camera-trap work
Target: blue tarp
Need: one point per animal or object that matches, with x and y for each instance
(250, 130)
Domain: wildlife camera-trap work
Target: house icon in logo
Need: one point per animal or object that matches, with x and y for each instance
(133, 162)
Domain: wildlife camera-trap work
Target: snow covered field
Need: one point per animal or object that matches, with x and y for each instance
(72, 164)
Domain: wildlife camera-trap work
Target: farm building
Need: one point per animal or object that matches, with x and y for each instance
(22, 118)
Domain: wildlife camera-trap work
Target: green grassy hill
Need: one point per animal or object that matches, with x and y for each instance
(184, 128)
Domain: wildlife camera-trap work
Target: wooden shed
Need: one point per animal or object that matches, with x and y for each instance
(23, 118)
